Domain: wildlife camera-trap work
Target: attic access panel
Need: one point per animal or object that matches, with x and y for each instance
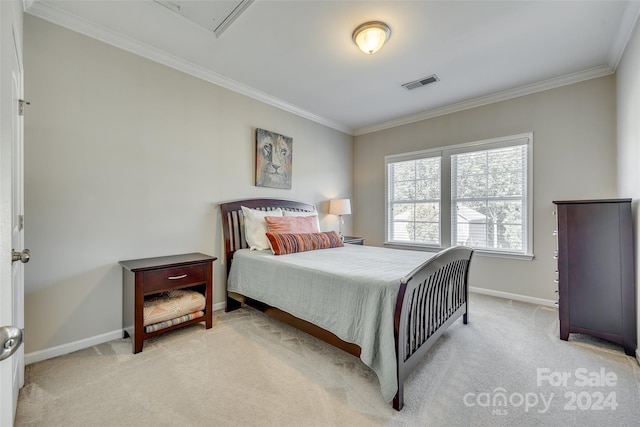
(213, 16)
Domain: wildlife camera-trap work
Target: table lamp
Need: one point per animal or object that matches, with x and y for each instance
(340, 207)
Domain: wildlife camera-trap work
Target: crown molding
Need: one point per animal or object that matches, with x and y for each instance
(629, 19)
(48, 12)
(553, 83)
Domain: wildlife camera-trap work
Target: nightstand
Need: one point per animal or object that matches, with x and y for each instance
(353, 240)
(152, 276)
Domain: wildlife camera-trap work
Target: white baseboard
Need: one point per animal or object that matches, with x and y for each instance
(515, 297)
(50, 353)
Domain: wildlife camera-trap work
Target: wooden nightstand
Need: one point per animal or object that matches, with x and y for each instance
(353, 240)
(150, 276)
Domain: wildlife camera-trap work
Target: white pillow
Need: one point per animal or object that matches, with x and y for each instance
(311, 213)
(255, 227)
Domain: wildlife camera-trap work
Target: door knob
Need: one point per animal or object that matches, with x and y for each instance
(23, 256)
(10, 340)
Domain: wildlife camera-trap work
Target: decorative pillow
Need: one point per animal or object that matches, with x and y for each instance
(303, 213)
(286, 243)
(255, 227)
(292, 224)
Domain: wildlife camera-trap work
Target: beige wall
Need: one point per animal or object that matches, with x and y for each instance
(574, 158)
(126, 159)
(628, 91)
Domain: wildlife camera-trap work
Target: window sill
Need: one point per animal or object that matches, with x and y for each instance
(476, 252)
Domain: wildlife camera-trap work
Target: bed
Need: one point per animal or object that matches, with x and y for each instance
(385, 306)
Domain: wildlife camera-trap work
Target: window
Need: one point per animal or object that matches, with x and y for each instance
(414, 194)
(475, 194)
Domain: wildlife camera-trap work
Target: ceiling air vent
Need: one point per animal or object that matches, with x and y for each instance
(422, 82)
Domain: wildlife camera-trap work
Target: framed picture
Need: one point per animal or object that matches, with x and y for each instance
(273, 159)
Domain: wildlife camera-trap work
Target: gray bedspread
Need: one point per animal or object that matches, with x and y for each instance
(350, 291)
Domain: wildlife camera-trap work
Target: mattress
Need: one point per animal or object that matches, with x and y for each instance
(350, 291)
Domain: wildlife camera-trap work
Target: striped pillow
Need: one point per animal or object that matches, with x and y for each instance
(285, 243)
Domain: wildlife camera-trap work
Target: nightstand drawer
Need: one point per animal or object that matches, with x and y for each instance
(172, 278)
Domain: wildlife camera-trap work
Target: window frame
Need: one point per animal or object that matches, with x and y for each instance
(430, 155)
(445, 154)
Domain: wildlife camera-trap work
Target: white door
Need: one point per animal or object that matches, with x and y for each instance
(11, 210)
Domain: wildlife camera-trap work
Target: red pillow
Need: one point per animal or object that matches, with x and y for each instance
(285, 243)
(292, 224)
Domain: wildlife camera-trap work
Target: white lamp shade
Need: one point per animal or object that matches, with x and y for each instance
(340, 207)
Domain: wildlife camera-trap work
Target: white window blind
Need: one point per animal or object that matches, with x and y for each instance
(414, 201)
(489, 199)
(476, 194)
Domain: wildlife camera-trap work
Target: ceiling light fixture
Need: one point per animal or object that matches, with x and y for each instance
(371, 35)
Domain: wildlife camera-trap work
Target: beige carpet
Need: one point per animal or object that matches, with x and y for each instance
(250, 370)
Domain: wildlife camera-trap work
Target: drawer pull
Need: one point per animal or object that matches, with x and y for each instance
(182, 276)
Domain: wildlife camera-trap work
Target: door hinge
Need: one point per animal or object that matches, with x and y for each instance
(20, 222)
(21, 104)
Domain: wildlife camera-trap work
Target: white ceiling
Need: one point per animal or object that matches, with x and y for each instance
(299, 56)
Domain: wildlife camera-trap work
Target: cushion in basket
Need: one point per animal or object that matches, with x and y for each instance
(172, 304)
(285, 243)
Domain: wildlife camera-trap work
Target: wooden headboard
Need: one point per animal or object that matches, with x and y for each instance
(233, 220)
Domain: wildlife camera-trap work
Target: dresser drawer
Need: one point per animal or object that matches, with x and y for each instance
(172, 278)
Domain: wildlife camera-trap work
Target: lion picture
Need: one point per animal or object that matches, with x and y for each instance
(273, 159)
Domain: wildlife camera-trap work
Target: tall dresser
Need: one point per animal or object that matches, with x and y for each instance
(596, 284)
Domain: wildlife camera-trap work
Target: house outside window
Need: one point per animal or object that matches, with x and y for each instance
(476, 194)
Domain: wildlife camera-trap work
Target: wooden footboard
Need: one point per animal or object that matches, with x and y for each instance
(430, 299)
